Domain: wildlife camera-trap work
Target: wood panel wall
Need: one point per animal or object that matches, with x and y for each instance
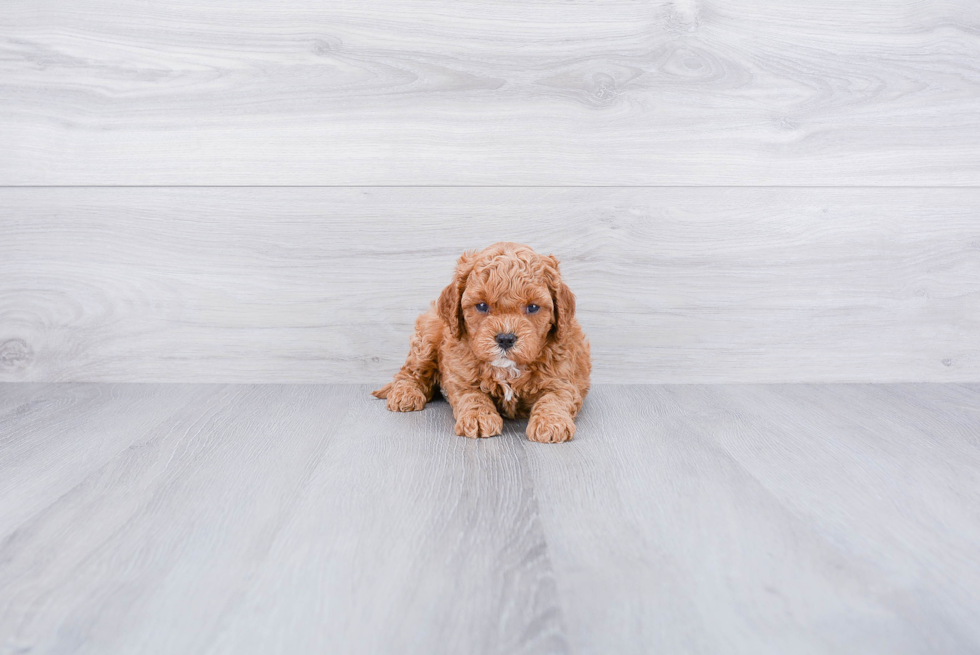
(324, 284)
(259, 191)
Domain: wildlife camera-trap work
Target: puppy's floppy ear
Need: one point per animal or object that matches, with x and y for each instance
(563, 299)
(449, 306)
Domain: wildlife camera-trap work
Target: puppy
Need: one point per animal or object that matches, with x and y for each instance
(501, 340)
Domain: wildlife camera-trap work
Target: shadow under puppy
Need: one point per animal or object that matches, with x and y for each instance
(501, 340)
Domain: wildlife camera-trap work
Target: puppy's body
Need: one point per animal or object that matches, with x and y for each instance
(501, 340)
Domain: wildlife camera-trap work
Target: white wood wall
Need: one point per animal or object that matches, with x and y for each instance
(256, 191)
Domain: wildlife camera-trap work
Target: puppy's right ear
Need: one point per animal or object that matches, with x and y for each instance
(450, 300)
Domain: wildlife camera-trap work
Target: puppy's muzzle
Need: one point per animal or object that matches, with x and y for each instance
(506, 340)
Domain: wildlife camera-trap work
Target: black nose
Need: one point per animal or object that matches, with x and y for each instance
(506, 340)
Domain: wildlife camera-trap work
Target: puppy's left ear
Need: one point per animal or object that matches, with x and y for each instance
(449, 306)
(563, 299)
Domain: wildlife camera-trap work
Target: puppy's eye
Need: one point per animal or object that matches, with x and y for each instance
(482, 307)
(532, 309)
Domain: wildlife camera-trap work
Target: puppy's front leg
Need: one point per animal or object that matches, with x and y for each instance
(474, 411)
(552, 418)
(414, 384)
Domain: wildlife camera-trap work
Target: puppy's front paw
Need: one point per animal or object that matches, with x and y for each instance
(479, 423)
(550, 427)
(405, 397)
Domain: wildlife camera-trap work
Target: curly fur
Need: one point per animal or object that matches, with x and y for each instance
(544, 377)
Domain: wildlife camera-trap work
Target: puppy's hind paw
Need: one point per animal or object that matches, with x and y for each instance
(382, 393)
(405, 397)
(551, 427)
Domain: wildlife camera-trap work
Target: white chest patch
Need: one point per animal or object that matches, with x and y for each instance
(506, 369)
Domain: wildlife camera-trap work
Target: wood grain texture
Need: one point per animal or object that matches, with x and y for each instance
(267, 519)
(682, 519)
(682, 92)
(323, 285)
(767, 519)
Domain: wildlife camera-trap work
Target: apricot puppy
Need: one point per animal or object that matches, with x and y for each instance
(502, 340)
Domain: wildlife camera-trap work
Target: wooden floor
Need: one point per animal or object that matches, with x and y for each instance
(140, 518)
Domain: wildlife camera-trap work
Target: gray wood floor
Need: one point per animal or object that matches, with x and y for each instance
(140, 518)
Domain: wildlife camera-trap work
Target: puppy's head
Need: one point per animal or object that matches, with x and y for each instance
(508, 301)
